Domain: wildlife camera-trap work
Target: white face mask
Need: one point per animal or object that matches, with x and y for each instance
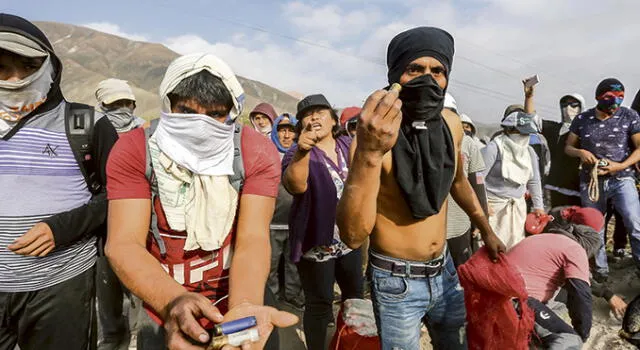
(19, 98)
(568, 113)
(197, 142)
(519, 139)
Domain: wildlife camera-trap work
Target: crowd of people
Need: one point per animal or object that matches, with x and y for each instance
(198, 220)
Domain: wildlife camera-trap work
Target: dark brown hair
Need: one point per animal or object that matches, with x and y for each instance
(335, 131)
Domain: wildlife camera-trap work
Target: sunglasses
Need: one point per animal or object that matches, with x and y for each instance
(571, 104)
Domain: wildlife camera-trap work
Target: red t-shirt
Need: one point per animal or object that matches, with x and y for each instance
(199, 271)
(546, 260)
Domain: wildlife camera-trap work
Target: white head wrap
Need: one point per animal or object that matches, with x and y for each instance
(188, 65)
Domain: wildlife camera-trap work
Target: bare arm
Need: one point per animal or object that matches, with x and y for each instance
(572, 149)
(139, 271)
(356, 215)
(252, 253)
(529, 106)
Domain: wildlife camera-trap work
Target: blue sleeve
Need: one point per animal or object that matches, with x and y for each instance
(580, 306)
(489, 155)
(535, 185)
(634, 127)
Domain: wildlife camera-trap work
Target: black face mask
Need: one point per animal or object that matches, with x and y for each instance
(468, 133)
(422, 99)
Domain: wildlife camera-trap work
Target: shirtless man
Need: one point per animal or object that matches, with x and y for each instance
(404, 164)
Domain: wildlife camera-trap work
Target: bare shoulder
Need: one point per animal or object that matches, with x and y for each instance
(455, 125)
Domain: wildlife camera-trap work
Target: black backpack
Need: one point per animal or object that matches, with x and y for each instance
(79, 121)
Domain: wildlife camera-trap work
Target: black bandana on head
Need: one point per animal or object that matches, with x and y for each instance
(424, 156)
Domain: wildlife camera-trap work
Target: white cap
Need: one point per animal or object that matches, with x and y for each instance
(450, 102)
(112, 90)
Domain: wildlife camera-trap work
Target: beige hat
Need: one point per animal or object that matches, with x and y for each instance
(112, 90)
(21, 45)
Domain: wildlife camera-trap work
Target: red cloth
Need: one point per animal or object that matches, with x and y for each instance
(492, 320)
(349, 113)
(535, 224)
(584, 216)
(346, 338)
(198, 271)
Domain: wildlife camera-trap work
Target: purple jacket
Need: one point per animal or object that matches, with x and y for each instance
(313, 214)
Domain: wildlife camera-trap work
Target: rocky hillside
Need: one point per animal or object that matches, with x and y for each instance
(90, 56)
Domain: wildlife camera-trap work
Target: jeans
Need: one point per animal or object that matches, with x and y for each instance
(623, 195)
(280, 250)
(551, 331)
(317, 280)
(402, 303)
(57, 317)
(109, 292)
(619, 232)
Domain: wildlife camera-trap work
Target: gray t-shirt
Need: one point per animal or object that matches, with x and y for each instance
(472, 162)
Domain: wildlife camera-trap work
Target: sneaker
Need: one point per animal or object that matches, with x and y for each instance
(619, 253)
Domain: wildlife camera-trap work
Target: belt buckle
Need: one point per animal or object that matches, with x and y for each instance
(437, 268)
(407, 269)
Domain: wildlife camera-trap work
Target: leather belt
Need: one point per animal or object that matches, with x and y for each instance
(408, 269)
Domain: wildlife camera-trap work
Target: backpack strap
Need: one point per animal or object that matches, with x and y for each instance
(153, 182)
(79, 121)
(237, 179)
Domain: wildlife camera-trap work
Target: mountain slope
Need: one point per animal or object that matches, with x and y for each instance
(89, 56)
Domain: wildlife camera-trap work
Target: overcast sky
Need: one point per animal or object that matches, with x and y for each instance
(339, 47)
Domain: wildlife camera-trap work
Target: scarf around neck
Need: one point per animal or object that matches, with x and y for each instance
(424, 162)
(516, 159)
(424, 155)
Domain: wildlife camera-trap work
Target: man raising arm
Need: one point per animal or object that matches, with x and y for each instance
(399, 197)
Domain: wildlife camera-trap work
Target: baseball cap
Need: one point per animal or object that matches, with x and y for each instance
(535, 224)
(523, 122)
(348, 114)
(317, 100)
(111, 90)
(21, 45)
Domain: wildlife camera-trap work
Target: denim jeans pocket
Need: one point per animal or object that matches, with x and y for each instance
(389, 287)
(449, 270)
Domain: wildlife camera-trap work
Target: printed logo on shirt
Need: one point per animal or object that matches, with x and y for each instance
(544, 315)
(50, 150)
